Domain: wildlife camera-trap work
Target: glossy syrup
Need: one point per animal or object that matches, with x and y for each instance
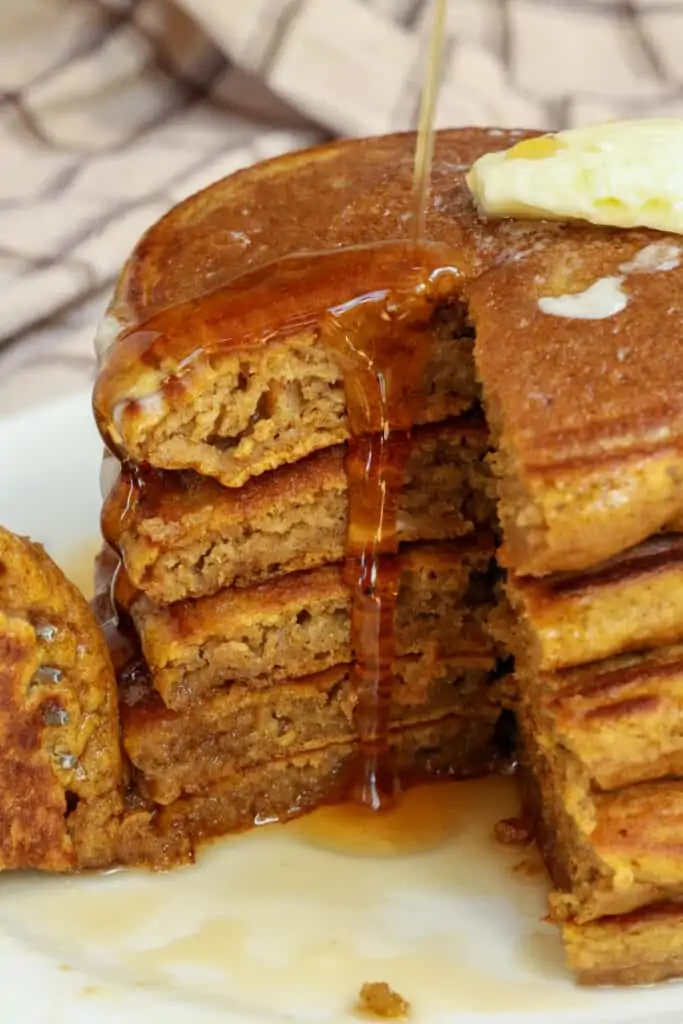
(384, 362)
(381, 342)
(424, 143)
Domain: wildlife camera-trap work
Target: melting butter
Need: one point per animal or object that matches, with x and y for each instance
(606, 296)
(653, 258)
(602, 299)
(622, 174)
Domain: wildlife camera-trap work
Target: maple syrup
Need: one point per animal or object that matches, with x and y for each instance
(384, 362)
(382, 344)
(424, 143)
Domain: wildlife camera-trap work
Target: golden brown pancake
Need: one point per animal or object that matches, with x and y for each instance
(233, 409)
(182, 535)
(223, 383)
(450, 746)
(607, 852)
(586, 414)
(622, 718)
(238, 726)
(629, 602)
(300, 623)
(640, 948)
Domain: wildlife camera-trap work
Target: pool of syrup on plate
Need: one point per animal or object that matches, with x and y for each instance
(292, 919)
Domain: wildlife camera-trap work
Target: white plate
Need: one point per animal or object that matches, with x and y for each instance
(285, 923)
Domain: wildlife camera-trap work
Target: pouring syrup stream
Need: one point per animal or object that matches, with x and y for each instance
(424, 144)
(384, 361)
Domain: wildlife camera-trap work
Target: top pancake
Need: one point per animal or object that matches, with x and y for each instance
(588, 414)
(354, 192)
(215, 322)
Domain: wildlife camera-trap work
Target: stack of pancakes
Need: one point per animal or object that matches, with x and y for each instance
(228, 416)
(231, 517)
(586, 417)
(600, 682)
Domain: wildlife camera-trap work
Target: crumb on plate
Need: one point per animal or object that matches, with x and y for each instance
(514, 831)
(380, 1000)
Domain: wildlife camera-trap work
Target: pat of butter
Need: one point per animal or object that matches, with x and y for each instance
(623, 174)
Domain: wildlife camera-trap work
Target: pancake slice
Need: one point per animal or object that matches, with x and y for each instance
(448, 747)
(630, 602)
(235, 727)
(181, 535)
(261, 390)
(639, 948)
(621, 718)
(301, 623)
(585, 410)
(608, 853)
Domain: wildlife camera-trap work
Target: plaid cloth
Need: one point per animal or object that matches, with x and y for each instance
(113, 110)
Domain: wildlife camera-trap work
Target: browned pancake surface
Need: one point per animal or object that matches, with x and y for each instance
(630, 602)
(60, 765)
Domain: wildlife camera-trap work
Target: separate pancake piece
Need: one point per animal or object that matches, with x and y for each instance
(60, 764)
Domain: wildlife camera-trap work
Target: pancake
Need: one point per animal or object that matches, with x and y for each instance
(631, 601)
(241, 413)
(607, 853)
(450, 747)
(182, 535)
(622, 718)
(273, 394)
(589, 458)
(237, 727)
(640, 948)
(60, 765)
(234, 361)
(301, 623)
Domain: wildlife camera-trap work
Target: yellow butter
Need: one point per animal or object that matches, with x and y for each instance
(622, 174)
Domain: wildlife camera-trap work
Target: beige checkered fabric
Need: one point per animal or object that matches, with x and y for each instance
(112, 110)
